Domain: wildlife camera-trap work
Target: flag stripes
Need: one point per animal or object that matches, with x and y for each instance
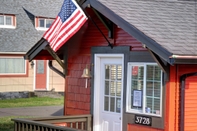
(61, 31)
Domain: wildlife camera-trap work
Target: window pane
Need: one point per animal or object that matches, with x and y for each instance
(157, 74)
(106, 104)
(106, 87)
(113, 72)
(12, 65)
(2, 65)
(8, 20)
(118, 88)
(1, 20)
(149, 104)
(41, 22)
(157, 89)
(137, 73)
(156, 109)
(112, 104)
(149, 88)
(119, 72)
(118, 105)
(48, 23)
(150, 72)
(107, 68)
(153, 88)
(112, 88)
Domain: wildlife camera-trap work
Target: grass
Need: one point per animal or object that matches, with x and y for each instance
(32, 101)
(5, 122)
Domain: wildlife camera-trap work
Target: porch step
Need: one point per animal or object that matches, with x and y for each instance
(48, 94)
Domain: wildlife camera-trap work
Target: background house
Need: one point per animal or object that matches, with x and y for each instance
(22, 23)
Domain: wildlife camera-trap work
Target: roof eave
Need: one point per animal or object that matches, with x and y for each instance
(183, 59)
(36, 49)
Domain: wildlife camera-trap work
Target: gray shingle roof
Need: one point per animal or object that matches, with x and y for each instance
(25, 35)
(171, 24)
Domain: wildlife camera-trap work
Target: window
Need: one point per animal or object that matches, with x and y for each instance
(144, 89)
(12, 66)
(7, 21)
(43, 23)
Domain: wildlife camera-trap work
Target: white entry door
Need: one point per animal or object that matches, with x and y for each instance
(108, 91)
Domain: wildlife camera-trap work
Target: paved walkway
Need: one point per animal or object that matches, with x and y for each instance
(40, 111)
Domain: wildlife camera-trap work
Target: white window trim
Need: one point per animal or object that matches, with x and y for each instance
(14, 73)
(128, 100)
(42, 28)
(13, 26)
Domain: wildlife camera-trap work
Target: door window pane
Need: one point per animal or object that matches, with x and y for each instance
(113, 88)
(40, 66)
(106, 87)
(118, 89)
(106, 103)
(112, 104)
(113, 72)
(118, 105)
(107, 69)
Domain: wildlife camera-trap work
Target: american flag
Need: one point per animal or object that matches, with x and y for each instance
(69, 20)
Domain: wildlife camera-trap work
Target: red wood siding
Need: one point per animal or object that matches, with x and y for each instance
(132, 127)
(123, 38)
(190, 97)
(77, 97)
(173, 99)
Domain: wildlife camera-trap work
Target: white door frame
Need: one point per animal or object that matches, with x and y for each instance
(97, 73)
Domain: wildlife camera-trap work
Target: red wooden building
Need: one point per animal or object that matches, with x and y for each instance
(142, 57)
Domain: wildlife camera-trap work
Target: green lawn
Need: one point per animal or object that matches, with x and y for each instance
(5, 122)
(32, 101)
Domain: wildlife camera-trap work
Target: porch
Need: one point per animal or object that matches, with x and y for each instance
(54, 123)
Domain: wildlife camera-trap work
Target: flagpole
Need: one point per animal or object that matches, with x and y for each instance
(109, 44)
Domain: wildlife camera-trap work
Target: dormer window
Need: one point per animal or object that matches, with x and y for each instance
(7, 21)
(43, 23)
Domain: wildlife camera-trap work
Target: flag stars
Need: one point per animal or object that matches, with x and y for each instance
(67, 9)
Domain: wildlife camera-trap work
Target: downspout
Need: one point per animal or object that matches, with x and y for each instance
(182, 112)
(55, 69)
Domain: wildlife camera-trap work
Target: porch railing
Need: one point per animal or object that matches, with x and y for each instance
(54, 123)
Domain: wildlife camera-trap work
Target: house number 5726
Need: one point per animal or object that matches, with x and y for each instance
(143, 120)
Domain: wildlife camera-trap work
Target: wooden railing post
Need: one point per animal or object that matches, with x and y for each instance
(89, 123)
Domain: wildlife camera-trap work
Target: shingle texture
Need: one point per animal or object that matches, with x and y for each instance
(172, 24)
(24, 36)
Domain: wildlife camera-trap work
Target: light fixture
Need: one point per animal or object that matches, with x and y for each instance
(32, 64)
(86, 74)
